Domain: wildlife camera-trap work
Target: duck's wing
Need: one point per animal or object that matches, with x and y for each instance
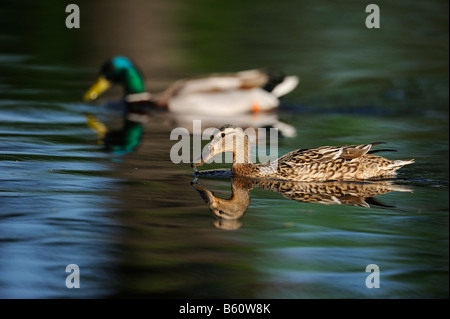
(354, 151)
(326, 153)
(271, 81)
(216, 82)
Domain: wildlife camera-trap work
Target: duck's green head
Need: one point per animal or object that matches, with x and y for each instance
(118, 70)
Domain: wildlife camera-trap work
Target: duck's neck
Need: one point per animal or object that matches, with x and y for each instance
(133, 81)
(241, 151)
(237, 205)
(242, 164)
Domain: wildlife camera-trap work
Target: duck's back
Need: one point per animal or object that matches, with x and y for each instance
(353, 162)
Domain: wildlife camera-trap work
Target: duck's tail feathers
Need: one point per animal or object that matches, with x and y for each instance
(382, 150)
(399, 164)
(285, 86)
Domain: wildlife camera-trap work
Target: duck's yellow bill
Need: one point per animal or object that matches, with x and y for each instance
(95, 124)
(97, 89)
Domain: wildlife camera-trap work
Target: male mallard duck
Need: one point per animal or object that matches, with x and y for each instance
(349, 162)
(216, 94)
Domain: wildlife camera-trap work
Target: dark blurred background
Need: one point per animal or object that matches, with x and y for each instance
(340, 61)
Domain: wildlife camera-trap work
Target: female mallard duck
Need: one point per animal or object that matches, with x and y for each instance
(216, 94)
(350, 162)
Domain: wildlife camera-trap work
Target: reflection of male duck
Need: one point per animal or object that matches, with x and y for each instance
(228, 211)
(122, 141)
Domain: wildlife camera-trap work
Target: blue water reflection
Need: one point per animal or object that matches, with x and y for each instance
(56, 205)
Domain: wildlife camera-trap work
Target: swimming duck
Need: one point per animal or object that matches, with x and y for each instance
(216, 94)
(345, 163)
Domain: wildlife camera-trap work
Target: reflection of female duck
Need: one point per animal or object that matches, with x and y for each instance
(350, 162)
(232, 208)
(227, 211)
(333, 193)
(327, 193)
(216, 94)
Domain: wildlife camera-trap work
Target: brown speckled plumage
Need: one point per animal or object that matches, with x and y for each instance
(326, 163)
(336, 192)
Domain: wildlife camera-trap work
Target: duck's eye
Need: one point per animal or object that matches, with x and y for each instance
(221, 212)
(223, 134)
